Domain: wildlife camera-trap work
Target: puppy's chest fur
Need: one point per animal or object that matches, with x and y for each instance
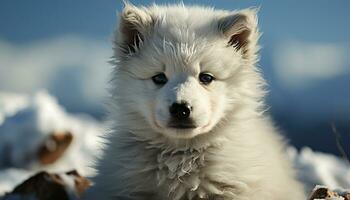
(179, 165)
(179, 174)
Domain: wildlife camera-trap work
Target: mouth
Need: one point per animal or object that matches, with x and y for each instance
(182, 130)
(186, 124)
(175, 128)
(183, 126)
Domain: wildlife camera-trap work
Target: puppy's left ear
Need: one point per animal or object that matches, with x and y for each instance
(135, 24)
(241, 30)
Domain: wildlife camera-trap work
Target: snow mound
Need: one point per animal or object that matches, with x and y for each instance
(320, 168)
(26, 122)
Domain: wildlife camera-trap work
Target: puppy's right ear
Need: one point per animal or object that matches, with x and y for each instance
(135, 23)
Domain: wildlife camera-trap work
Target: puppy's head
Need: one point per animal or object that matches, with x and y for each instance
(184, 70)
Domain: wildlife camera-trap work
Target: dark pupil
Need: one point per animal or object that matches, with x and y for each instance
(206, 78)
(160, 79)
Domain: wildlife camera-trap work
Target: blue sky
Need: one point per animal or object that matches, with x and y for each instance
(63, 47)
(29, 20)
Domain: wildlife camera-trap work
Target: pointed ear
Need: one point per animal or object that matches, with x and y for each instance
(135, 23)
(240, 29)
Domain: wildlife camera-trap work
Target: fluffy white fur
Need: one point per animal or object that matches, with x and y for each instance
(234, 152)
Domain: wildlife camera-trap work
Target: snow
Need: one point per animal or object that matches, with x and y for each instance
(297, 64)
(320, 168)
(26, 120)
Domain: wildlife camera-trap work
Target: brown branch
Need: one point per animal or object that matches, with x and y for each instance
(338, 143)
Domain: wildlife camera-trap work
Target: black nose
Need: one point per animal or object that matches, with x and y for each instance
(180, 111)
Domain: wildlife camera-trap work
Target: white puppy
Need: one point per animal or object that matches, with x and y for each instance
(187, 111)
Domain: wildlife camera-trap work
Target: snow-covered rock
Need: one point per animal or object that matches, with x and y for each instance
(26, 122)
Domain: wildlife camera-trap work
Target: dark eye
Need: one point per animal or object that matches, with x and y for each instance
(160, 79)
(206, 78)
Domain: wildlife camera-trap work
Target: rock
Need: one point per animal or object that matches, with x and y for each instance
(81, 183)
(51, 186)
(54, 147)
(324, 193)
(347, 196)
